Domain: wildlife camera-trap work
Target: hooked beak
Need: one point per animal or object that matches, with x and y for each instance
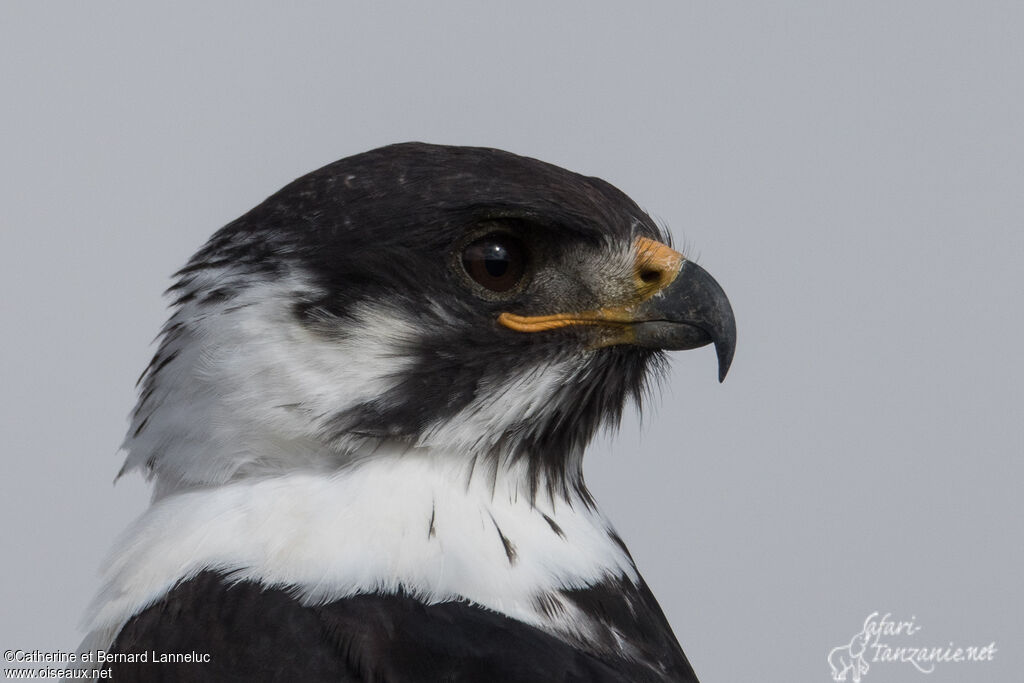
(676, 305)
(692, 311)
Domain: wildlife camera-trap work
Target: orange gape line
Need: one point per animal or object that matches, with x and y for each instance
(654, 268)
(540, 323)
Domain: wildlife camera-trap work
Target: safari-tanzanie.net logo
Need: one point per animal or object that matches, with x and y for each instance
(883, 641)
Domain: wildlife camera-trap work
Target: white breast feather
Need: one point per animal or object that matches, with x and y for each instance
(368, 529)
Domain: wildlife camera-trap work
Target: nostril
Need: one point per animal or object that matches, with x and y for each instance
(650, 275)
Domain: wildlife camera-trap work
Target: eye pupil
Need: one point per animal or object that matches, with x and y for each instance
(496, 262)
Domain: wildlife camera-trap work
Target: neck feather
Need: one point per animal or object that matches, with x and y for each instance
(418, 522)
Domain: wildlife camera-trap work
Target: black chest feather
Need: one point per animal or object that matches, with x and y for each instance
(255, 634)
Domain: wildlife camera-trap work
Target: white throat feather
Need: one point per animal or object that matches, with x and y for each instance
(414, 521)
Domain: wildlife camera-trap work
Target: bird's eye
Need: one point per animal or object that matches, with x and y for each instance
(496, 262)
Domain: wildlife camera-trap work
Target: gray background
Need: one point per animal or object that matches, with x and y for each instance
(852, 173)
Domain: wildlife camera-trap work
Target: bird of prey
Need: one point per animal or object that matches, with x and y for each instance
(365, 424)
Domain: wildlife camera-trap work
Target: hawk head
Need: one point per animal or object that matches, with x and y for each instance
(492, 309)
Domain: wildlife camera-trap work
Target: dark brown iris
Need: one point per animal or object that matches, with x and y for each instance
(496, 262)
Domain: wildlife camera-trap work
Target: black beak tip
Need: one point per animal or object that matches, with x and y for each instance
(725, 341)
(725, 351)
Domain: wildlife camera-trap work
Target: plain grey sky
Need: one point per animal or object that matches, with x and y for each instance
(852, 173)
